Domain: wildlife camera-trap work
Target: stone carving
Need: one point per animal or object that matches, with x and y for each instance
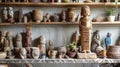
(96, 40)
(28, 38)
(10, 14)
(85, 27)
(63, 16)
(35, 52)
(20, 15)
(108, 40)
(19, 40)
(41, 46)
(23, 53)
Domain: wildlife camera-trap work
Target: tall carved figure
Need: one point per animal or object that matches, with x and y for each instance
(85, 29)
(28, 38)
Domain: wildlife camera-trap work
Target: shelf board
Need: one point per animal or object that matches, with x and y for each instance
(59, 23)
(57, 4)
(59, 60)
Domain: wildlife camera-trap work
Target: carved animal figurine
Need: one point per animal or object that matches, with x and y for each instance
(2, 40)
(10, 15)
(23, 53)
(41, 46)
(35, 52)
(85, 27)
(96, 40)
(28, 38)
(10, 40)
(108, 40)
(5, 14)
(63, 16)
(19, 40)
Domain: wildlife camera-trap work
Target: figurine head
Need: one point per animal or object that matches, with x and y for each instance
(19, 36)
(23, 53)
(3, 33)
(5, 8)
(9, 34)
(85, 11)
(10, 8)
(35, 52)
(97, 31)
(108, 34)
(42, 39)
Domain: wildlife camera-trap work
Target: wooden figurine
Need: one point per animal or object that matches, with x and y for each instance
(108, 40)
(41, 46)
(10, 15)
(19, 40)
(85, 27)
(95, 40)
(2, 40)
(5, 14)
(23, 53)
(10, 40)
(28, 38)
(63, 16)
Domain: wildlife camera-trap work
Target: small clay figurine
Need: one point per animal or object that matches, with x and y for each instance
(10, 40)
(5, 14)
(48, 17)
(28, 38)
(35, 52)
(96, 40)
(63, 16)
(108, 40)
(85, 27)
(10, 15)
(23, 53)
(19, 40)
(2, 40)
(41, 46)
(56, 18)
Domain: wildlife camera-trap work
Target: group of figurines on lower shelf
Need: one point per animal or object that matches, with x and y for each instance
(11, 16)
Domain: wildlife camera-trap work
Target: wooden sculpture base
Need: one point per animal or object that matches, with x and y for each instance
(86, 56)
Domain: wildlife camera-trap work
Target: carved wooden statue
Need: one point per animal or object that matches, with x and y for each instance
(28, 38)
(41, 45)
(19, 41)
(85, 27)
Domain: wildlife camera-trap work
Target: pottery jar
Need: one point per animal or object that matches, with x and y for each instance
(38, 15)
(71, 14)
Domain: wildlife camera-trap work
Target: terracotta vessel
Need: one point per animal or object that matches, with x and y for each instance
(113, 52)
(38, 15)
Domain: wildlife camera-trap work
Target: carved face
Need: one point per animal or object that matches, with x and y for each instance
(35, 52)
(85, 11)
(23, 53)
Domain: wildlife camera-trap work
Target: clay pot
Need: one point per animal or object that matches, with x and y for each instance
(71, 14)
(113, 52)
(38, 15)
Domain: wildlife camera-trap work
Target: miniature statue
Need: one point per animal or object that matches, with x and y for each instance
(23, 53)
(10, 40)
(19, 41)
(48, 17)
(25, 19)
(50, 47)
(20, 15)
(96, 40)
(71, 15)
(85, 27)
(28, 38)
(2, 40)
(63, 16)
(108, 40)
(35, 52)
(52, 54)
(56, 18)
(75, 38)
(5, 14)
(41, 46)
(10, 15)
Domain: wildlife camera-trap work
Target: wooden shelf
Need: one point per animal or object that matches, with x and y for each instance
(58, 4)
(60, 23)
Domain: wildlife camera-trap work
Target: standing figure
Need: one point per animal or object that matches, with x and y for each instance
(63, 16)
(20, 15)
(19, 41)
(28, 38)
(2, 40)
(10, 40)
(10, 15)
(96, 40)
(41, 46)
(5, 14)
(108, 40)
(85, 27)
